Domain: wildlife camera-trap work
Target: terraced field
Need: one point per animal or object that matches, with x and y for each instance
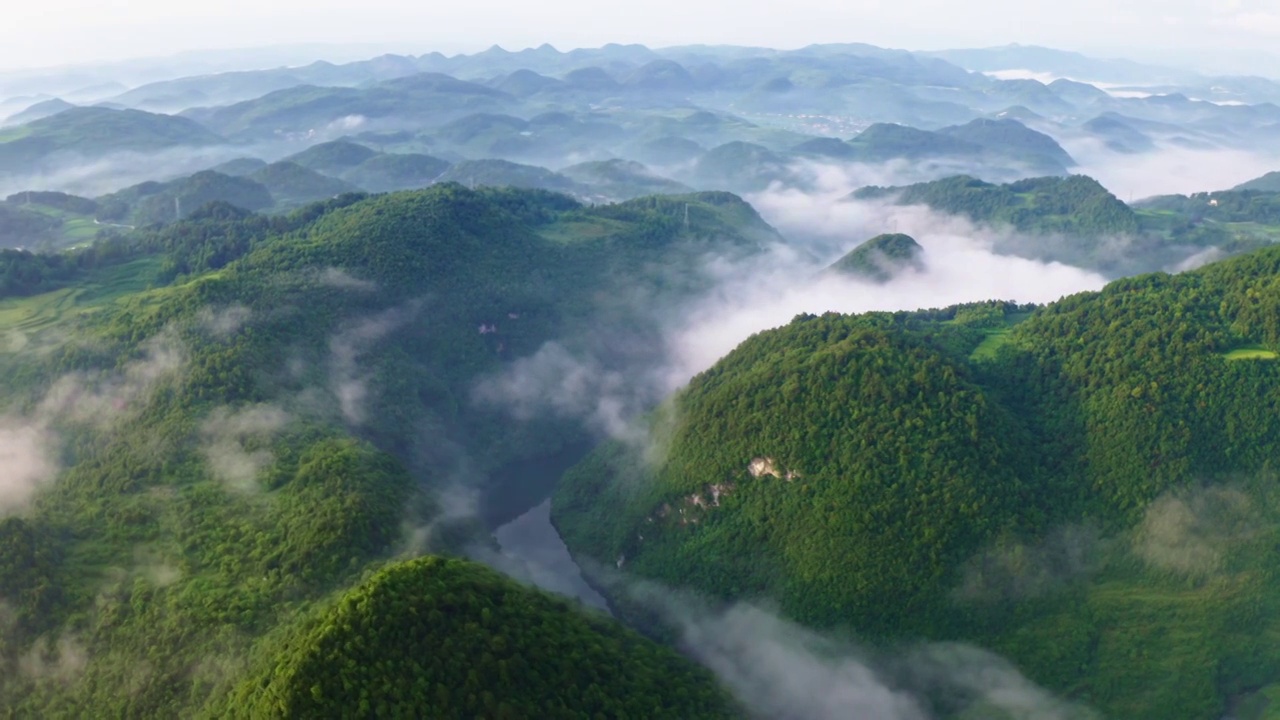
(34, 323)
(996, 337)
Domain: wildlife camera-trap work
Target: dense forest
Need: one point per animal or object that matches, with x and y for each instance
(449, 639)
(881, 258)
(1087, 486)
(235, 429)
(315, 370)
(245, 414)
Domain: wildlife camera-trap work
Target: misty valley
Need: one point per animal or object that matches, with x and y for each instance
(697, 382)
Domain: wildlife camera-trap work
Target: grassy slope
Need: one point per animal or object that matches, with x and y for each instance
(997, 337)
(1251, 352)
(43, 320)
(72, 229)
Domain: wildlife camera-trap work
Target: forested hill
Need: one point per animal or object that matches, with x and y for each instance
(881, 258)
(219, 423)
(449, 639)
(92, 132)
(1077, 221)
(1088, 491)
(1076, 205)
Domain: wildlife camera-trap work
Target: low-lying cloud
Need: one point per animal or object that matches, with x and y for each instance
(30, 443)
(100, 398)
(744, 296)
(1015, 570)
(95, 176)
(341, 279)
(26, 462)
(348, 382)
(960, 265)
(223, 322)
(233, 443)
(62, 660)
(1168, 170)
(1188, 533)
(780, 670)
(557, 382)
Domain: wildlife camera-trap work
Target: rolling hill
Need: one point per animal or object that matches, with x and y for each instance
(1069, 219)
(332, 158)
(503, 173)
(388, 172)
(251, 413)
(1268, 183)
(1011, 139)
(291, 184)
(427, 98)
(622, 179)
(42, 109)
(47, 221)
(151, 203)
(887, 141)
(92, 132)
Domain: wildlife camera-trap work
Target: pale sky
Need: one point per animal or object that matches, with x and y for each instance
(61, 32)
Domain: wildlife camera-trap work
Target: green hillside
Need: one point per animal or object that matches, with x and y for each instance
(1089, 492)
(1267, 183)
(332, 158)
(393, 646)
(392, 171)
(291, 184)
(503, 173)
(150, 203)
(1013, 139)
(223, 422)
(1076, 204)
(47, 221)
(886, 141)
(741, 167)
(58, 201)
(23, 227)
(999, 147)
(1072, 219)
(430, 98)
(668, 150)
(96, 131)
(1233, 206)
(1233, 221)
(622, 179)
(240, 167)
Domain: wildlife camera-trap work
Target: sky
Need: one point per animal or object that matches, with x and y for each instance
(65, 32)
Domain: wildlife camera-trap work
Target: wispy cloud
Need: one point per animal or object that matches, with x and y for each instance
(348, 382)
(233, 443)
(30, 443)
(778, 669)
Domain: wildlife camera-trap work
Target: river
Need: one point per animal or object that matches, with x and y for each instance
(532, 550)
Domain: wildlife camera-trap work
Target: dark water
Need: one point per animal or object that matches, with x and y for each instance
(519, 486)
(533, 551)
